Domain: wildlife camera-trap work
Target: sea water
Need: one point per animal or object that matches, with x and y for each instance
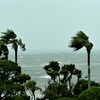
(33, 63)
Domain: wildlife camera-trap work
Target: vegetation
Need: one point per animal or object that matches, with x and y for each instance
(12, 80)
(31, 86)
(52, 69)
(14, 84)
(82, 85)
(93, 93)
(60, 85)
(79, 41)
(9, 37)
(10, 85)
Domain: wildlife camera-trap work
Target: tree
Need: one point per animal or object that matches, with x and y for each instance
(64, 87)
(92, 93)
(31, 86)
(82, 85)
(54, 91)
(11, 81)
(68, 70)
(52, 69)
(78, 73)
(9, 37)
(8, 69)
(65, 73)
(21, 78)
(79, 41)
(15, 42)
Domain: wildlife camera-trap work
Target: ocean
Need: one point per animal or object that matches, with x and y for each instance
(33, 63)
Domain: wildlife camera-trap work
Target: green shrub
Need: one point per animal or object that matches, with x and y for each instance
(92, 93)
(82, 85)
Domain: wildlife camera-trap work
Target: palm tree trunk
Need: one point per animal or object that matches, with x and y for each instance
(89, 80)
(16, 49)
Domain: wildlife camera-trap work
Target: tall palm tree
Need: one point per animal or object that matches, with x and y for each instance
(9, 37)
(79, 41)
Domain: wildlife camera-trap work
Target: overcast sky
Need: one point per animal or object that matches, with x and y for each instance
(48, 25)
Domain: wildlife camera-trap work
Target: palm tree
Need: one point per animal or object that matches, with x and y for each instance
(9, 37)
(79, 41)
(15, 43)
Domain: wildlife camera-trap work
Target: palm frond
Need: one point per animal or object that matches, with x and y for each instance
(20, 43)
(82, 35)
(76, 43)
(80, 40)
(6, 36)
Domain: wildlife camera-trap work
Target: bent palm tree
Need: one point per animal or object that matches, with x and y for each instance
(79, 41)
(9, 37)
(15, 43)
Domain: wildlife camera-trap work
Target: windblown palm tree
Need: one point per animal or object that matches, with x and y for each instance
(79, 41)
(15, 43)
(9, 37)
